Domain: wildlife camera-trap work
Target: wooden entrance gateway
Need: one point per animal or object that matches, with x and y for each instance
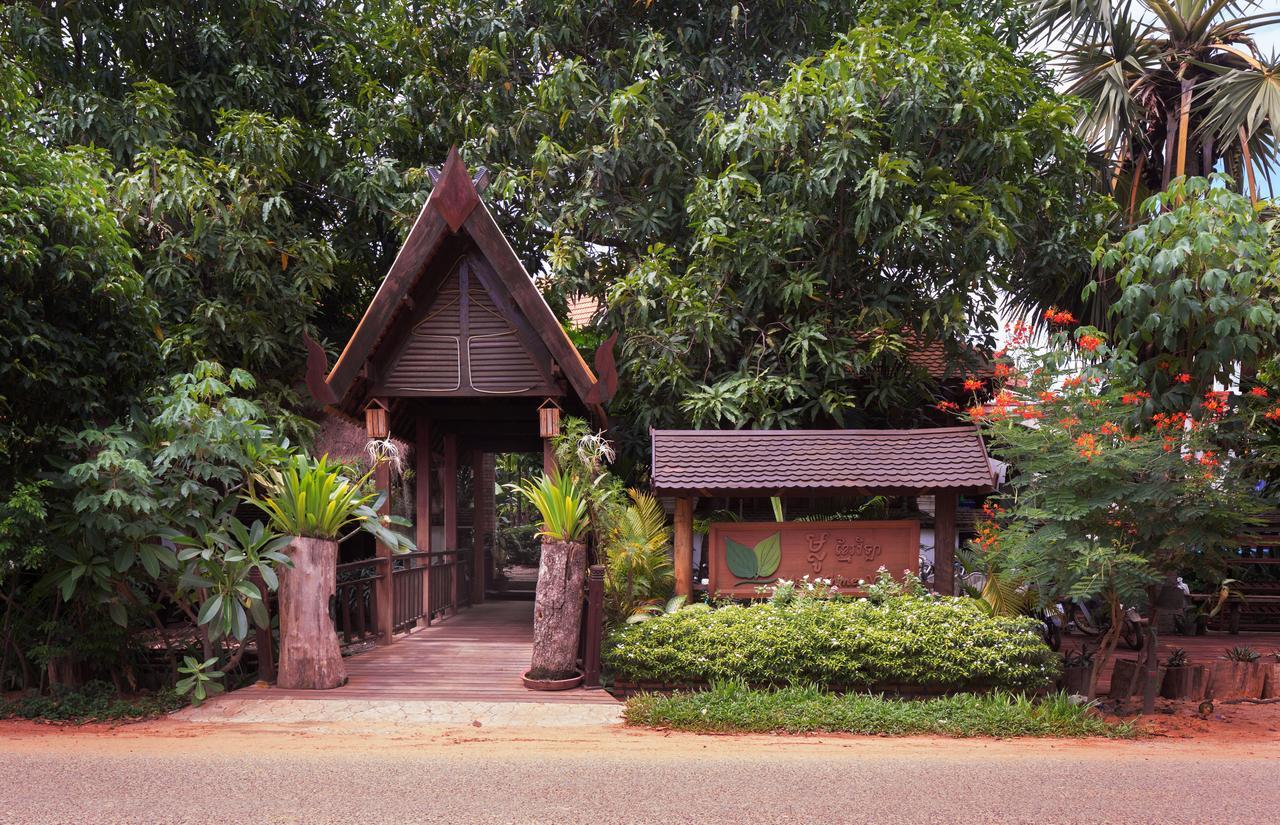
(459, 357)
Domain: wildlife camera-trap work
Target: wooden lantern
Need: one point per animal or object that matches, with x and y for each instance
(549, 419)
(377, 420)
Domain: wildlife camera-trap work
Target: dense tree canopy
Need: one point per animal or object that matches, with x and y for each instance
(894, 182)
(76, 338)
(778, 201)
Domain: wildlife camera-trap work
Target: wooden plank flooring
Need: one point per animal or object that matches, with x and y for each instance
(478, 655)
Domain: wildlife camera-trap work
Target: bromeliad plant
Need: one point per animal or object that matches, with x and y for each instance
(317, 499)
(561, 500)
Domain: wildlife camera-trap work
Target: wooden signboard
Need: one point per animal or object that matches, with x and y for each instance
(748, 555)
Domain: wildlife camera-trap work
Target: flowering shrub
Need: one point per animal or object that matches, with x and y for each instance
(937, 643)
(787, 591)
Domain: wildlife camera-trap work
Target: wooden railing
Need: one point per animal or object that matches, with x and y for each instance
(449, 583)
(408, 588)
(355, 613)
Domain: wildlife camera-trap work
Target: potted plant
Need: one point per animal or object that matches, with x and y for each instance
(561, 500)
(314, 501)
(1183, 680)
(1076, 667)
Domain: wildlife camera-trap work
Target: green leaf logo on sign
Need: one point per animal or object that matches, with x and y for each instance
(754, 563)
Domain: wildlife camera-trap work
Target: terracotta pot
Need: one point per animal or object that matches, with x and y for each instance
(552, 684)
(1186, 682)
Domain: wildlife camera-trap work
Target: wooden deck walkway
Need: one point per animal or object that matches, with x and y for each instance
(478, 655)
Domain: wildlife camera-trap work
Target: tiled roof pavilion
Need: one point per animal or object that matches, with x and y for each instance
(765, 462)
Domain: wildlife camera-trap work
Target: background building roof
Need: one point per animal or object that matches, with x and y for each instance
(766, 462)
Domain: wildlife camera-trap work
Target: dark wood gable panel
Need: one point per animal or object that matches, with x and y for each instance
(469, 340)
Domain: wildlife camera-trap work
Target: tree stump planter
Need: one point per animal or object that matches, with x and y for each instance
(1187, 682)
(1075, 680)
(557, 611)
(310, 657)
(1236, 680)
(1271, 680)
(1128, 678)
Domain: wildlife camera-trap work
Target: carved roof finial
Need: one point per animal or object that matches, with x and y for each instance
(454, 195)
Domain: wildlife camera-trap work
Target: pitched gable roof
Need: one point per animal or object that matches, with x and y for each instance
(455, 207)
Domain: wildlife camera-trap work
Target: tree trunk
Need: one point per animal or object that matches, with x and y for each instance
(310, 658)
(557, 611)
(1107, 645)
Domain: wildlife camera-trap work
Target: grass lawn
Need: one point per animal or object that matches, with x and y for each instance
(733, 708)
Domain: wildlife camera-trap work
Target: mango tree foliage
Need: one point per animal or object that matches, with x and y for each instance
(898, 180)
(253, 203)
(1198, 287)
(75, 320)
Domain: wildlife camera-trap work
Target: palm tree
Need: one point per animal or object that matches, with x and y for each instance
(1173, 87)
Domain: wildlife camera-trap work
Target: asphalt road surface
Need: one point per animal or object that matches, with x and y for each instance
(176, 774)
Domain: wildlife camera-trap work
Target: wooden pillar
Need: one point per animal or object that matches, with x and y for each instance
(548, 456)
(449, 492)
(944, 543)
(684, 547)
(422, 502)
(481, 519)
(385, 589)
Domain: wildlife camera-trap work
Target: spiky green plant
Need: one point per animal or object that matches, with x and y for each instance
(1241, 653)
(561, 499)
(317, 499)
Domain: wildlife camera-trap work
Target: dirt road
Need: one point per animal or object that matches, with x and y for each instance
(170, 772)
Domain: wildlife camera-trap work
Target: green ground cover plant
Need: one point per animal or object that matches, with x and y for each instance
(924, 641)
(95, 701)
(732, 707)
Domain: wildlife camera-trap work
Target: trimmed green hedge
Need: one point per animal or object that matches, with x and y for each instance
(924, 642)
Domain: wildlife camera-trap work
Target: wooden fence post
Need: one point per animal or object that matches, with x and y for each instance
(422, 504)
(595, 627)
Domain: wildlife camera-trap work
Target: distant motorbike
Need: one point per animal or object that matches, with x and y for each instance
(1092, 619)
